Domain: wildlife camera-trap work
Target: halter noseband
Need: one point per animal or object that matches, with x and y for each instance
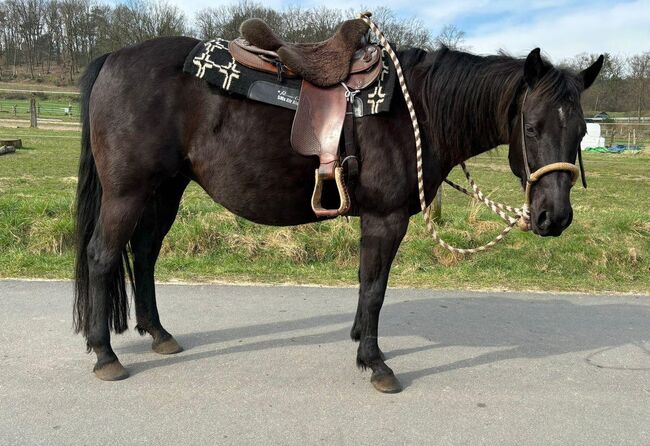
(532, 178)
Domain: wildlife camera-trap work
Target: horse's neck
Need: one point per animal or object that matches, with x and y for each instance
(469, 104)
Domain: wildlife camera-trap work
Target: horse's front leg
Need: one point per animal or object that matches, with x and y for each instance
(380, 238)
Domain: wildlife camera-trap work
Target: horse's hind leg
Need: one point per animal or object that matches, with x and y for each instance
(155, 222)
(117, 218)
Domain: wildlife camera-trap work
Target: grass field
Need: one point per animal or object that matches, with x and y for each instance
(606, 249)
(15, 105)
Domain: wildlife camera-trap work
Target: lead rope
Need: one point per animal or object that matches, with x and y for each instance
(522, 215)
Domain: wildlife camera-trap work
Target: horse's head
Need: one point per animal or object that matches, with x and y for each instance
(550, 117)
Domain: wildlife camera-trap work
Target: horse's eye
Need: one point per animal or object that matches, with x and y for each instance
(530, 130)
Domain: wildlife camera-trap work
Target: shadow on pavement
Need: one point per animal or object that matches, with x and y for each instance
(523, 328)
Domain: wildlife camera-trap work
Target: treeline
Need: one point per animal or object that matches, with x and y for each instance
(55, 39)
(623, 83)
(62, 36)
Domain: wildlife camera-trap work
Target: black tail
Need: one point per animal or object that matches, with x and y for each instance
(89, 195)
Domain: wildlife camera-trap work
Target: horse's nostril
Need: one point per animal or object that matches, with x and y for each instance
(544, 220)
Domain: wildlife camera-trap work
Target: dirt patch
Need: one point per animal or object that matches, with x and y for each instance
(43, 124)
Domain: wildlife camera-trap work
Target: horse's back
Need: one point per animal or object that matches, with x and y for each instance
(150, 120)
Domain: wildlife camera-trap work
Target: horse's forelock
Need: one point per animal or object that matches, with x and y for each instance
(558, 86)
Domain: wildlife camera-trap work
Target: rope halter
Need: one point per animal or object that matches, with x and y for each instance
(554, 167)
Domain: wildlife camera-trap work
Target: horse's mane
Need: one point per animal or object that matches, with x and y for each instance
(469, 102)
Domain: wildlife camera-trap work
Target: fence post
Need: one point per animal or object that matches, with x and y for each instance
(436, 215)
(33, 122)
(629, 134)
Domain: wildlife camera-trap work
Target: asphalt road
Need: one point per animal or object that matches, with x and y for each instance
(274, 365)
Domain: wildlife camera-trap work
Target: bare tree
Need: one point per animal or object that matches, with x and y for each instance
(166, 20)
(640, 80)
(403, 33)
(451, 37)
(305, 24)
(4, 25)
(224, 21)
(29, 14)
(54, 27)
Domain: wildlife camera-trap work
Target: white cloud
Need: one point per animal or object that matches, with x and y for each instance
(617, 28)
(443, 12)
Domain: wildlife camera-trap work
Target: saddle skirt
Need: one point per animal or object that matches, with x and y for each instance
(213, 62)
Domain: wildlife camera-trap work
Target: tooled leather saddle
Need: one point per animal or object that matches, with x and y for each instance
(331, 72)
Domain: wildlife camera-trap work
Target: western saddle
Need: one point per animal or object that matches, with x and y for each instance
(332, 72)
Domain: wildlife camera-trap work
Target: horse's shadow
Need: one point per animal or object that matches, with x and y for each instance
(518, 328)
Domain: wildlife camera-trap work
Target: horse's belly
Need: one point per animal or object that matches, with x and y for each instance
(243, 158)
(270, 203)
(272, 191)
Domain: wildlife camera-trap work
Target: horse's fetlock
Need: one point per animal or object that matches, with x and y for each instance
(141, 329)
(369, 356)
(98, 342)
(361, 364)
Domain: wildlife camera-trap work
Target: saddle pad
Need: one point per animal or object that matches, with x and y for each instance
(212, 62)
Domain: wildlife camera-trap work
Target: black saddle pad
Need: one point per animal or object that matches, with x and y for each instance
(213, 62)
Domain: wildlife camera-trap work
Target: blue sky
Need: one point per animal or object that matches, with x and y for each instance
(562, 28)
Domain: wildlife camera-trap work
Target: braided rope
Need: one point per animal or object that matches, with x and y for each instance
(521, 214)
(491, 204)
(496, 207)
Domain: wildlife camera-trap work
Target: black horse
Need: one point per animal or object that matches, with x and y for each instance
(149, 129)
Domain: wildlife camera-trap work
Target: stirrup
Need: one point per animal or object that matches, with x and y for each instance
(344, 198)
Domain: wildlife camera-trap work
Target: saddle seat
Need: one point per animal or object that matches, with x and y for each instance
(330, 71)
(322, 63)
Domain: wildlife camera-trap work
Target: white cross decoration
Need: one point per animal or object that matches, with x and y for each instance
(375, 98)
(203, 62)
(230, 72)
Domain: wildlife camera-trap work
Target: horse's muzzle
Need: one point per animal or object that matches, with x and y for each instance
(549, 223)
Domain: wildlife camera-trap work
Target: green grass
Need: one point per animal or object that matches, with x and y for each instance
(51, 107)
(607, 248)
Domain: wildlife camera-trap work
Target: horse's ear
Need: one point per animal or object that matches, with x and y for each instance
(589, 75)
(535, 68)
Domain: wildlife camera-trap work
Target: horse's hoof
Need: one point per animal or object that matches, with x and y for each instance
(385, 383)
(167, 347)
(113, 371)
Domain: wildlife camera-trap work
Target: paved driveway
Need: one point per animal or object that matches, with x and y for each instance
(274, 365)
